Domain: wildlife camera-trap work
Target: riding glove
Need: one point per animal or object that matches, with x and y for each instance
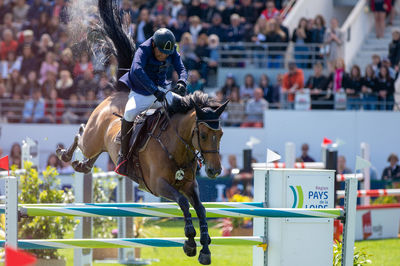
(160, 95)
(180, 88)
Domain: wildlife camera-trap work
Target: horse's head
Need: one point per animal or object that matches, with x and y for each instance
(207, 137)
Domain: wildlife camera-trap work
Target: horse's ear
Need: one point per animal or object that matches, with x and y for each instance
(199, 111)
(221, 108)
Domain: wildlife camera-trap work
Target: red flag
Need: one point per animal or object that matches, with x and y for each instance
(17, 257)
(327, 141)
(4, 164)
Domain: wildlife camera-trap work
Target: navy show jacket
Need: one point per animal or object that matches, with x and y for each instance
(147, 73)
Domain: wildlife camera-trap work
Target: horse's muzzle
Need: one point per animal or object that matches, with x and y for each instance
(213, 173)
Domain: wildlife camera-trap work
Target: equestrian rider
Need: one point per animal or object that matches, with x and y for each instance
(147, 79)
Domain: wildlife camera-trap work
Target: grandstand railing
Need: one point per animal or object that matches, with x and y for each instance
(12, 110)
(271, 55)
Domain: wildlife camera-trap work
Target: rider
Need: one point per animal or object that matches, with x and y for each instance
(147, 79)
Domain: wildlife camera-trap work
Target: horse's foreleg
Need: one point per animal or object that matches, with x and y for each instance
(167, 191)
(86, 165)
(66, 155)
(205, 240)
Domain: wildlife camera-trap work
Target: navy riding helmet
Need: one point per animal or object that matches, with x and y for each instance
(164, 39)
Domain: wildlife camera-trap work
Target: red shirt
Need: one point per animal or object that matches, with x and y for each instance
(268, 15)
(5, 48)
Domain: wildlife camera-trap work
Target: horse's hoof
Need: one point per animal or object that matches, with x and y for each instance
(81, 167)
(189, 248)
(204, 258)
(59, 153)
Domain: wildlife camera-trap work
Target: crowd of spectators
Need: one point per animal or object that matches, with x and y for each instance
(45, 79)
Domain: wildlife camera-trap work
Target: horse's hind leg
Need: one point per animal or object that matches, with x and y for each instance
(86, 165)
(165, 190)
(66, 155)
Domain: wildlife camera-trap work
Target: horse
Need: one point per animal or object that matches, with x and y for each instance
(170, 159)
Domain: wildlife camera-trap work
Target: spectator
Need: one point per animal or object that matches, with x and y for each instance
(144, 28)
(41, 27)
(283, 28)
(4, 8)
(34, 109)
(394, 48)
(333, 43)
(339, 77)
(270, 11)
(175, 7)
(275, 51)
(203, 54)
(59, 10)
(26, 39)
(392, 172)
(29, 61)
(376, 63)
(304, 154)
(195, 27)
(15, 83)
(85, 84)
(236, 31)
(318, 83)
(301, 35)
(353, 88)
(20, 12)
(229, 86)
(8, 66)
(247, 89)
(385, 89)
(255, 108)
(8, 24)
(14, 108)
(369, 89)
(194, 9)
(213, 43)
(72, 110)
(271, 93)
(67, 61)
(49, 84)
(49, 65)
(129, 8)
(159, 8)
(180, 25)
(46, 45)
(35, 9)
(209, 12)
(53, 161)
(186, 49)
(194, 82)
(8, 44)
(292, 81)
(247, 12)
(228, 11)
(31, 85)
(65, 85)
(341, 166)
(104, 88)
(15, 155)
(386, 63)
(232, 161)
(318, 32)
(217, 28)
(235, 110)
(380, 8)
(82, 66)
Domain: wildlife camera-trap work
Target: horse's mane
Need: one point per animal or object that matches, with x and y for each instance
(187, 103)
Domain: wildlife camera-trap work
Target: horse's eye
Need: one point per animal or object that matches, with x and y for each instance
(203, 136)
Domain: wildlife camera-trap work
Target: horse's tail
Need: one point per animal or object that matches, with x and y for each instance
(123, 43)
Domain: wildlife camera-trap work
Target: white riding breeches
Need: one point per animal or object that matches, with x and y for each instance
(138, 103)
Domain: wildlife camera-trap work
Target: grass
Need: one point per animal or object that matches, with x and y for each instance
(383, 252)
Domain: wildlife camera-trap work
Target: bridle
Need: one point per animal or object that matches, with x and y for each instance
(196, 129)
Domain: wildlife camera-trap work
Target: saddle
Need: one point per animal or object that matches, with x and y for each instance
(142, 130)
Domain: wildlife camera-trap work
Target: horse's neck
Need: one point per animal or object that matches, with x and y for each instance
(184, 125)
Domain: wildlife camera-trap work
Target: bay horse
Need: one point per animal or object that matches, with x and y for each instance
(193, 129)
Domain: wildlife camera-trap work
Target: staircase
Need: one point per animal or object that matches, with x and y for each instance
(372, 46)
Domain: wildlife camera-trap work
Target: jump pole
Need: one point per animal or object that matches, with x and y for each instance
(11, 211)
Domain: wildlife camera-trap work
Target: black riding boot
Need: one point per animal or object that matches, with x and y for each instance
(126, 132)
